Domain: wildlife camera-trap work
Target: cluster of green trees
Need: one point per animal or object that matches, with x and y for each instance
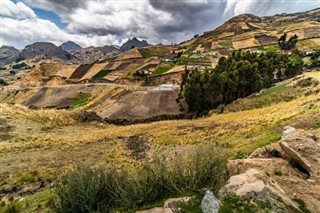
(287, 45)
(240, 75)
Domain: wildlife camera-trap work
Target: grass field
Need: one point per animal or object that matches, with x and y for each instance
(31, 155)
(272, 48)
(101, 74)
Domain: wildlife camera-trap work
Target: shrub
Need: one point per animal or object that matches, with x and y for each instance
(96, 190)
(83, 190)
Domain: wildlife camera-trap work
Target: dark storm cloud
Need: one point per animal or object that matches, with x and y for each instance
(163, 21)
(59, 6)
(190, 16)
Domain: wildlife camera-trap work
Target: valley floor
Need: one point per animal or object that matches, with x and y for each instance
(37, 146)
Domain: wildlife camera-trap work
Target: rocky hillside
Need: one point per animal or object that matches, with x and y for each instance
(8, 55)
(112, 104)
(131, 43)
(247, 30)
(44, 50)
(91, 54)
(70, 46)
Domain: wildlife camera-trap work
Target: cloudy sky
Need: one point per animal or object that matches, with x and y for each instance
(102, 22)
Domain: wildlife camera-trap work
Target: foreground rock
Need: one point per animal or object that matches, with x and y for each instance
(209, 203)
(170, 206)
(283, 174)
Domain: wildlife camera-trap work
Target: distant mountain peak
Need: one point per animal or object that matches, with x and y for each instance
(70, 46)
(134, 42)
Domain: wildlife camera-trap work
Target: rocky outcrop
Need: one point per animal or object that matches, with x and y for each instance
(285, 173)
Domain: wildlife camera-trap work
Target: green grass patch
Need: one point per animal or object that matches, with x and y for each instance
(145, 53)
(272, 48)
(236, 204)
(273, 90)
(226, 44)
(39, 202)
(102, 73)
(160, 70)
(302, 206)
(80, 100)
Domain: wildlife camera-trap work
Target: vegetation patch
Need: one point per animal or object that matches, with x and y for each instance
(272, 90)
(302, 206)
(39, 202)
(272, 48)
(160, 70)
(102, 73)
(226, 44)
(145, 53)
(80, 100)
(238, 76)
(104, 189)
(237, 204)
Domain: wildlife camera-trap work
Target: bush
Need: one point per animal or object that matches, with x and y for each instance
(3, 82)
(100, 190)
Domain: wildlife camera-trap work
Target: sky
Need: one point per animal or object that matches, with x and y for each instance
(112, 22)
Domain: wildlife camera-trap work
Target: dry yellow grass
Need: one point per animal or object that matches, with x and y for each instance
(252, 42)
(313, 43)
(48, 117)
(68, 142)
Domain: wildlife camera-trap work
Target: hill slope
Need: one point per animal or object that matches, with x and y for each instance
(8, 55)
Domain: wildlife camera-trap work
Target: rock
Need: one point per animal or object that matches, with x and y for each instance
(172, 203)
(258, 186)
(302, 148)
(272, 150)
(288, 130)
(280, 179)
(156, 210)
(170, 206)
(209, 203)
(296, 157)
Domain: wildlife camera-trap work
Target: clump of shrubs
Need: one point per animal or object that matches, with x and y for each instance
(104, 189)
(306, 82)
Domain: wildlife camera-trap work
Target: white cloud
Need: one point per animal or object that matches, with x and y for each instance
(101, 22)
(268, 7)
(27, 31)
(16, 11)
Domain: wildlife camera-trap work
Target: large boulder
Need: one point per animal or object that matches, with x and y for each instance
(258, 186)
(304, 149)
(283, 173)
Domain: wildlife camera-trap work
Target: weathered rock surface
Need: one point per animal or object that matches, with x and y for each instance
(170, 206)
(156, 210)
(209, 203)
(280, 173)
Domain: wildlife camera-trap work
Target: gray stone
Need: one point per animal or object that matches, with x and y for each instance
(209, 203)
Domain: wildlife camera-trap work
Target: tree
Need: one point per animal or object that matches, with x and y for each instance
(287, 45)
(240, 75)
